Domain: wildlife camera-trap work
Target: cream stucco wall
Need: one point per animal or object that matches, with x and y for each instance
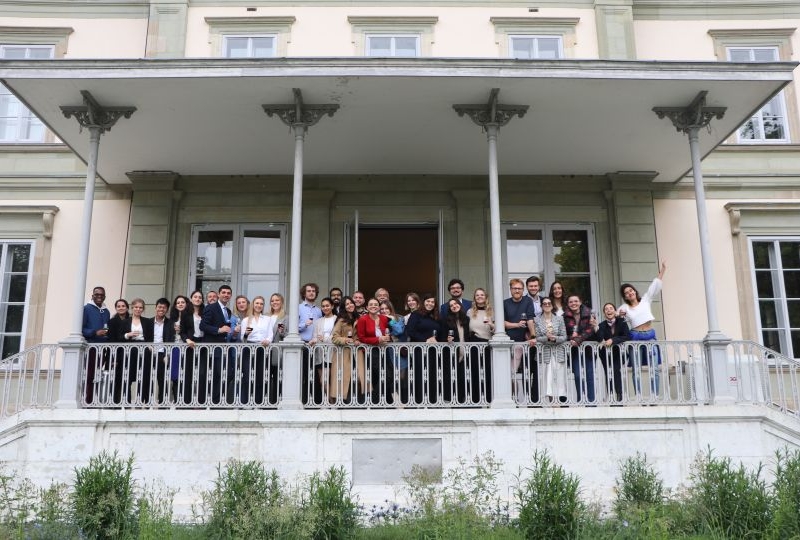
(683, 296)
(94, 38)
(106, 258)
(462, 32)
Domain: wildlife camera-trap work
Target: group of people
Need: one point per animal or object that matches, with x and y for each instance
(554, 329)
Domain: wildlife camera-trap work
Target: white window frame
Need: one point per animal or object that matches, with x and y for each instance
(388, 26)
(4, 244)
(563, 28)
(249, 38)
(278, 27)
(392, 46)
(758, 117)
(782, 311)
(25, 116)
(237, 254)
(549, 274)
(536, 38)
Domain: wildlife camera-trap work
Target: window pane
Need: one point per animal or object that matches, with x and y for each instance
(236, 47)
(522, 48)
(769, 313)
(405, 46)
(9, 105)
(379, 46)
(761, 254)
(549, 48)
(259, 285)
(14, 53)
(17, 284)
(524, 252)
(791, 283)
(11, 345)
(793, 306)
(764, 284)
(750, 130)
(772, 340)
(580, 285)
(14, 316)
(40, 53)
(570, 251)
(20, 255)
(263, 47)
(261, 252)
(796, 343)
(790, 255)
(739, 55)
(765, 55)
(214, 253)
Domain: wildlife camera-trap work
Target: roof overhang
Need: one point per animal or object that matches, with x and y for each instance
(205, 116)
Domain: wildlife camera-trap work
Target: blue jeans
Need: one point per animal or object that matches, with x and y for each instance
(585, 368)
(646, 355)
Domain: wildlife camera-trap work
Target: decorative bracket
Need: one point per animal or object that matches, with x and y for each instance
(298, 113)
(92, 114)
(695, 116)
(492, 113)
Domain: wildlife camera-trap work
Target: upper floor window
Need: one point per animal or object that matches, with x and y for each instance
(778, 121)
(536, 47)
(249, 37)
(401, 36)
(406, 46)
(770, 123)
(17, 123)
(249, 46)
(545, 38)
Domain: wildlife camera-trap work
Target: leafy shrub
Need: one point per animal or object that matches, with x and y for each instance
(729, 501)
(548, 500)
(243, 501)
(103, 499)
(154, 512)
(786, 495)
(638, 485)
(330, 505)
(17, 500)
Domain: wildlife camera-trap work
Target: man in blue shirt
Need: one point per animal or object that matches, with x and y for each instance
(308, 312)
(95, 330)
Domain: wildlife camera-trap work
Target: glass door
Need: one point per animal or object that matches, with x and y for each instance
(248, 257)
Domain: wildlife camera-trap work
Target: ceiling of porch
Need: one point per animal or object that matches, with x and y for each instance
(205, 117)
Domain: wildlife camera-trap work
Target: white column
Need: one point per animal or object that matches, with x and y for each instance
(715, 341)
(500, 343)
(69, 383)
(293, 348)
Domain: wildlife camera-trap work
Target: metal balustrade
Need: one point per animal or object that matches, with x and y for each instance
(399, 375)
(591, 374)
(761, 375)
(27, 379)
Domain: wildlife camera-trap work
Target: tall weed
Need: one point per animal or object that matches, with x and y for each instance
(786, 495)
(103, 498)
(548, 500)
(331, 506)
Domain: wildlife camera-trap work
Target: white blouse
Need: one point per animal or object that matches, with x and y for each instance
(643, 312)
(263, 328)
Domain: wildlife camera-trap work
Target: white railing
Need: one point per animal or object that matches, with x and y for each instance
(27, 379)
(761, 375)
(652, 372)
(409, 375)
(176, 375)
(397, 375)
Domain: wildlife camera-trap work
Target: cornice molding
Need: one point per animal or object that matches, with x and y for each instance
(714, 9)
(83, 9)
(536, 22)
(47, 213)
(752, 33)
(380, 20)
(250, 22)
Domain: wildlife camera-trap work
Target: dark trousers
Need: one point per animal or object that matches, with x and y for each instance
(382, 384)
(223, 374)
(584, 378)
(424, 363)
(611, 359)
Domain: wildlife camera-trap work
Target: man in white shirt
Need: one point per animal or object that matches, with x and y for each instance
(163, 332)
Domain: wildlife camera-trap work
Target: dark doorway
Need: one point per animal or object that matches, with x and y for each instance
(400, 259)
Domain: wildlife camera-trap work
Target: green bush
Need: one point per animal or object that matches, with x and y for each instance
(786, 495)
(243, 502)
(548, 500)
(729, 501)
(638, 485)
(103, 498)
(330, 505)
(154, 513)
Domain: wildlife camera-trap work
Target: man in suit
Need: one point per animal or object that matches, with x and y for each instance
(163, 332)
(456, 289)
(216, 325)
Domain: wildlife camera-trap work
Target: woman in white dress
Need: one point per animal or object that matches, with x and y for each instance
(551, 333)
(323, 332)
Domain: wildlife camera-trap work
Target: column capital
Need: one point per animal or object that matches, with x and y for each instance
(299, 114)
(694, 116)
(491, 113)
(93, 115)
